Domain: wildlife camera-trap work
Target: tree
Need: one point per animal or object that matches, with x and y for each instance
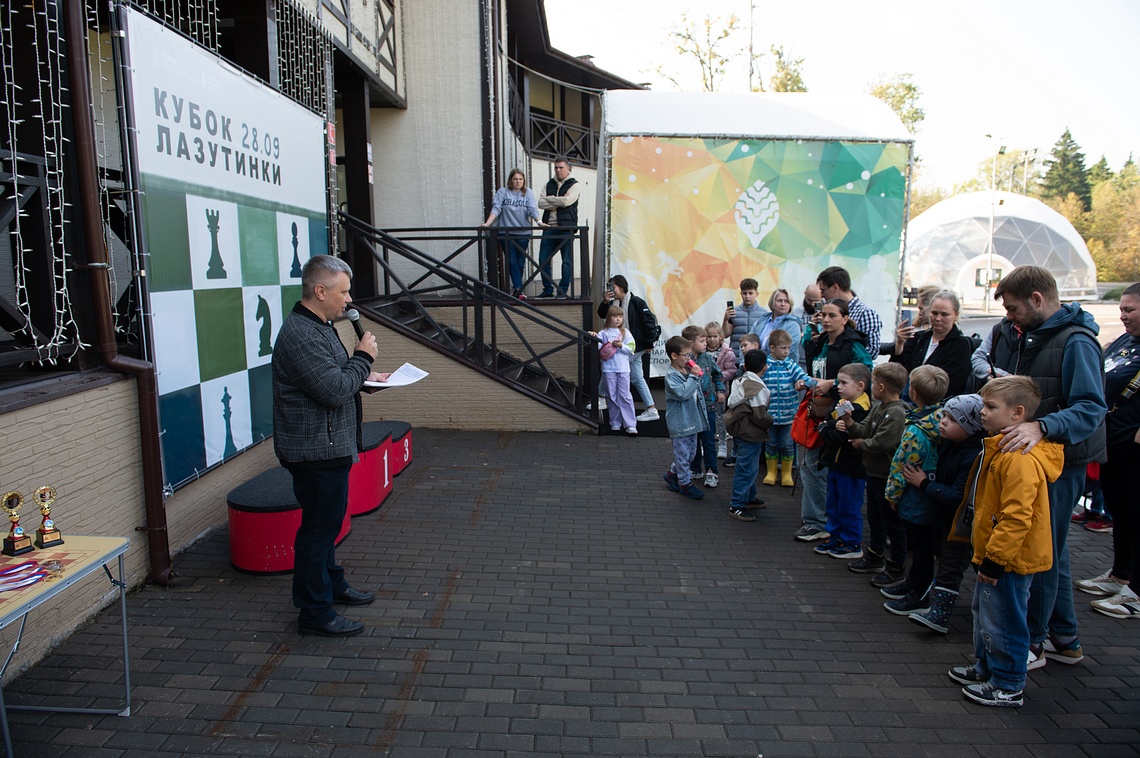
(788, 76)
(1100, 172)
(1016, 172)
(901, 94)
(922, 198)
(707, 43)
(1067, 173)
(1128, 176)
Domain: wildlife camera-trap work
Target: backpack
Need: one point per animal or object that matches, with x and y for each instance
(650, 328)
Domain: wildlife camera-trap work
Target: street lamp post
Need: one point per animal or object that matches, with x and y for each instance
(998, 150)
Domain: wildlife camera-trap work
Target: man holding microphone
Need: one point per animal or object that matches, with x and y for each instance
(316, 435)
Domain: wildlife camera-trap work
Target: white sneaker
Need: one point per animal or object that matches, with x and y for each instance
(601, 405)
(1104, 585)
(1123, 605)
(649, 414)
(711, 480)
(1036, 661)
(631, 430)
(722, 451)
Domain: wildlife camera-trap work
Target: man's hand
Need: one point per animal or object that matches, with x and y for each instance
(367, 344)
(913, 474)
(857, 443)
(376, 376)
(823, 387)
(990, 580)
(720, 397)
(1023, 437)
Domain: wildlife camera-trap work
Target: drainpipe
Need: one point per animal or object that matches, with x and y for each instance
(75, 25)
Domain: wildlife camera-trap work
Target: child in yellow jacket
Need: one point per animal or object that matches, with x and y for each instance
(1012, 541)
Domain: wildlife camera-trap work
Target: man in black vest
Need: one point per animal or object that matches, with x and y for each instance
(1059, 350)
(559, 203)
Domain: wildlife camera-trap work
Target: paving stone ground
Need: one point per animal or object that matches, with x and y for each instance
(544, 594)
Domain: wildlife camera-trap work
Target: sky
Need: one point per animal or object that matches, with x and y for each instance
(1018, 70)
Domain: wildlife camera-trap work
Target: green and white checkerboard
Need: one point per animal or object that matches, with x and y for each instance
(216, 309)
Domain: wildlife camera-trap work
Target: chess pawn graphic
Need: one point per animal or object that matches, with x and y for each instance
(16, 543)
(47, 535)
(216, 269)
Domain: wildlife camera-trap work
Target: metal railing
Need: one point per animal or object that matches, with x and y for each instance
(487, 251)
(478, 323)
(551, 138)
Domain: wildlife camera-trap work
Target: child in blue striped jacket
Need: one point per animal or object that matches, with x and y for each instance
(781, 377)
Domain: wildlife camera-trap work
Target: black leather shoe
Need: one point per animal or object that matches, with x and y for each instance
(338, 627)
(354, 597)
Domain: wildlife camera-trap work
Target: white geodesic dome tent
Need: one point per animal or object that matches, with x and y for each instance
(947, 245)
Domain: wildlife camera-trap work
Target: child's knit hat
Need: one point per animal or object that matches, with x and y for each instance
(966, 411)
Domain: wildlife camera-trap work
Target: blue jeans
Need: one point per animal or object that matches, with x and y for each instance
(637, 379)
(1001, 636)
(1051, 598)
(517, 247)
(683, 450)
(813, 502)
(779, 444)
(884, 523)
(845, 507)
(706, 447)
(553, 243)
(744, 476)
(323, 497)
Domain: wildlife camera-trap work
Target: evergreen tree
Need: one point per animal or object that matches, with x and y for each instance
(1128, 176)
(1067, 172)
(1100, 172)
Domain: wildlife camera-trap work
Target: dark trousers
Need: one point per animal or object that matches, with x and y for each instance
(953, 557)
(884, 523)
(556, 242)
(1120, 498)
(323, 497)
(920, 539)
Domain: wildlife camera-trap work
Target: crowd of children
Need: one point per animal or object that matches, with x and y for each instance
(934, 485)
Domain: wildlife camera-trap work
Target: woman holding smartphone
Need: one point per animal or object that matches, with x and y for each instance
(942, 345)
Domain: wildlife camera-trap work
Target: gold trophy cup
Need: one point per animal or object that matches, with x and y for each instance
(16, 543)
(47, 535)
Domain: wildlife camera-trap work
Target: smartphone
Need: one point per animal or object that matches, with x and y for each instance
(907, 315)
(730, 305)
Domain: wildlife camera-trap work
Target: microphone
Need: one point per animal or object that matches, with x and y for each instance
(354, 316)
(693, 367)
